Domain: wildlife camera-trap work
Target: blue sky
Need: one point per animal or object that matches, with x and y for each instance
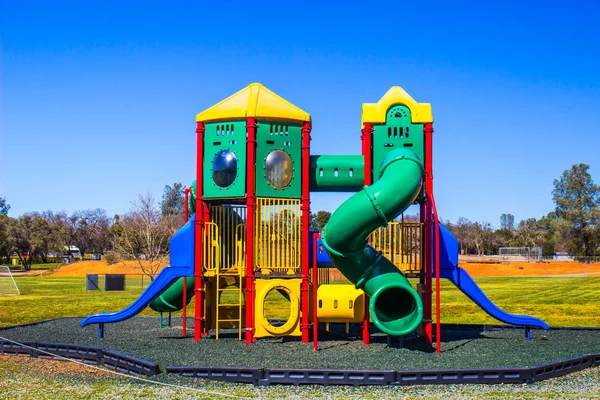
(98, 101)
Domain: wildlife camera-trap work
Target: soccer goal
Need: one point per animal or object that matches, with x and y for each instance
(8, 286)
(528, 254)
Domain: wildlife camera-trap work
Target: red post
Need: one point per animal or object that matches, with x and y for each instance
(198, 234)
(438, 325)
(251, 128)
(315, 282)
(426, 217)
(206, 322)
(186, 207)
(186, 194)
(305, 208)
(367, 142)
(184, 308)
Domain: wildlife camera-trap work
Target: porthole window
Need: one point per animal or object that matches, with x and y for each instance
(224, 168)
(278, 168)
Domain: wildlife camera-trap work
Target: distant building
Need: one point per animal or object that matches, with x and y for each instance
(71, 254)
(562, 256)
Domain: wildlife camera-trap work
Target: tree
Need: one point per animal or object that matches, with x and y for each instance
(4, 239)
(577, 201)
(88, 230)
(4, 206)
(507, 221)
(529, 234)
(28, 237)
(143, 235)
(462, 233)
(319, 220)
(172, 200)
(482, 236)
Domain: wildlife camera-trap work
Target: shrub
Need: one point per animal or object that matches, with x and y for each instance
(111, 257)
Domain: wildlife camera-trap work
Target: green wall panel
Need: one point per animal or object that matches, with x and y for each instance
(225, 136)
(278, 136)
(397, 132)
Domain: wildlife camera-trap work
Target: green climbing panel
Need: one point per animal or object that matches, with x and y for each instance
(278, 160)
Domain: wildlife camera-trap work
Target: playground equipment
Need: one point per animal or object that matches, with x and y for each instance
(249, 233)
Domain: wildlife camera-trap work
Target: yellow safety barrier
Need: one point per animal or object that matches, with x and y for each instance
(401, 243)
(211, 253)
(278, 239)
(340, 303)
(292, 289)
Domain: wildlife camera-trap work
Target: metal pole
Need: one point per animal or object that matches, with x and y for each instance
(305, 207)
(367, 140)
(198, 233)
(184, 308)
(251, 128)
(315, 285)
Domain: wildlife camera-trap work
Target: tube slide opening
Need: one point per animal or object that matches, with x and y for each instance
(396, 310)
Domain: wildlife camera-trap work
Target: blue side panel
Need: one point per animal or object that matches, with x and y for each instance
(182, 257)
(448, 249)
(450, 270)
(182, 245)
(323, 259)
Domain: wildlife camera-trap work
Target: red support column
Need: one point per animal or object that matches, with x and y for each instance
(438, 325)
(206, 322)
(367, 143)
(305, 226)
(426, 217)
(251, 128)
(186, 194)
(186, 207)
(198, 234)
(315, 279)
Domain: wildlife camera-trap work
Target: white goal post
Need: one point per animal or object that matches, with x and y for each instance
(529, 254)
(8, 286)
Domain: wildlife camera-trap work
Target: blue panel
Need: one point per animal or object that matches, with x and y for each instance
(448, 249)
(182, 245)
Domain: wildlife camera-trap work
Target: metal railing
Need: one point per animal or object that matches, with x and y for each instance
(401, 243)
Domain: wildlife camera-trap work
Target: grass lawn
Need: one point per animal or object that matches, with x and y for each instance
(572, 301)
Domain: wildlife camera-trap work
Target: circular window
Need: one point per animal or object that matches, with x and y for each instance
(278, 168)
(224, 167)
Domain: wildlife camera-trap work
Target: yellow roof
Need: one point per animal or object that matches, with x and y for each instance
(257, 101)
(375, 113)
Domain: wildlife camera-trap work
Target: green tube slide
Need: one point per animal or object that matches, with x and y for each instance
(395, 307)
(171, 300)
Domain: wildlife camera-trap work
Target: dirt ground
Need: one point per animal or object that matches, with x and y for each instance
(531, 269)
(475, 269)
(98, 267)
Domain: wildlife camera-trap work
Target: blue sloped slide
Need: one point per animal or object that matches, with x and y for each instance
(182, 264)
(450, 270)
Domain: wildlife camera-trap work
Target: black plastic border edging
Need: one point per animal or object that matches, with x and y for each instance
(268, 376)
(110, 359)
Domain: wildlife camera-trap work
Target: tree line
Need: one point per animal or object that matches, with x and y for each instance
(142, 234)
(572, 227)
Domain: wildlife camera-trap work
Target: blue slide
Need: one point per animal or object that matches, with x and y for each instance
(450, 270)
(182, 264)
